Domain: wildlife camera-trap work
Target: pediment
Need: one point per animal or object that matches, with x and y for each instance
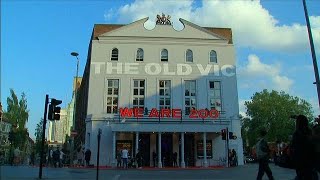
(137, 29)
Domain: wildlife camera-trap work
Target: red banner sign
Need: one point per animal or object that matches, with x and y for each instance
(168, 113)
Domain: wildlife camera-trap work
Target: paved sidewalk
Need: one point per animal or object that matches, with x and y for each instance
(245, 172)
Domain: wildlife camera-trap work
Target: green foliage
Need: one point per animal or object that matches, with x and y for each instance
(17, 113)
(272, 111)
(38, 135)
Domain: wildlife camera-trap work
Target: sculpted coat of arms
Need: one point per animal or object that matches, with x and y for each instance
(163, 20)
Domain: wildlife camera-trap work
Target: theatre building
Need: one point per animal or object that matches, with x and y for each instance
(161, 90)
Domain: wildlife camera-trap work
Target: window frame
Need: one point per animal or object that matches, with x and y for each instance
(164, 96)
(161, 57)
(213, 90)
(138, 57)
(112, 96)
(216, 56)
(185, 97)
(138, 95)
(186, 59)
(114, 56)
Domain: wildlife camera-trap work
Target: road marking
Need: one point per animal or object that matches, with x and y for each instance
(116, 177)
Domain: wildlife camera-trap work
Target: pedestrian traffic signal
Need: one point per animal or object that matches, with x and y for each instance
(230, 135)
(11, 136)
(54, 109)
(223, 134)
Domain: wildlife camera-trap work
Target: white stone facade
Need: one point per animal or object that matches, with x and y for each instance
(200, 84)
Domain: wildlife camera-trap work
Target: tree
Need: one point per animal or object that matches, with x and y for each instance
(38, 135)
(17, 113)
(272, 111)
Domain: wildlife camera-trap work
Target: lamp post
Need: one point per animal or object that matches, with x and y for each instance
(75, 54)
(314, 58)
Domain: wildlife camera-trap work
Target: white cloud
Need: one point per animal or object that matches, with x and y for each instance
(242, 107)
(315, 106)
(265, 76)
(253, 26)
(315, 22)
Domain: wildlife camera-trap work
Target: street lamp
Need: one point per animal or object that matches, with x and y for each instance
(98, 152)
(314, 58)
(75, 54)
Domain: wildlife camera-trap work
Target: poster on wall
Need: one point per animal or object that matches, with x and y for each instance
(200, 149)
(122, 144)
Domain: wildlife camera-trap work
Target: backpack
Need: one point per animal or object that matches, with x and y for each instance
(261, 150)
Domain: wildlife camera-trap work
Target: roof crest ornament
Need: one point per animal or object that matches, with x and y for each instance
(163, 20)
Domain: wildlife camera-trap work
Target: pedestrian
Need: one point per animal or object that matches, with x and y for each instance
(229, 158)
(124, 156)
(154, 157)
(32, 157)
(61, 162)
(83, 156)
(139, 159)
(119, 157)
(50, 158)
(303, 151)
(234, 158)
(56, 157)
(87, 156)
(16, 154)
(262, 150)
(79, 157)
(316, 140)
(175, 156)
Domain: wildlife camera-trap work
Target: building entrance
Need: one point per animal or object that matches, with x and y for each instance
(144, 148)
(189, 152)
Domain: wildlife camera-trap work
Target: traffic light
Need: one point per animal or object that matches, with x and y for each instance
(223, 134)
(11, 136)
(54, 109)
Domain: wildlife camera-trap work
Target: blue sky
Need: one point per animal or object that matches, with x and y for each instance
(270, 39)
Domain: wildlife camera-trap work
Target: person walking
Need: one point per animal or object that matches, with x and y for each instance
(61, 161)
(87, 156)
(79, 157)
(154, 157)
(175, 156)
(303, 150)
(262, 150)
(16, 154)
(316, 140)
(50, 158)
(56, 157)
(234, 158)
(119, 157)
(139, 159)
(124, 156)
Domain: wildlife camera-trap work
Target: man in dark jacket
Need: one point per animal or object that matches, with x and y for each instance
(87, 156)
(262, 150)
(303, 149)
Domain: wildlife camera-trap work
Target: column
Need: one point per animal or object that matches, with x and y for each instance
(183, 164)
(114, 148)
(137, 143)
(205, 162)
(159, 150)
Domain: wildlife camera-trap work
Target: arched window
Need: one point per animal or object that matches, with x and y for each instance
(189, 56)
(164, 55)
(213, 56)
(115, 54)
(139, 55)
